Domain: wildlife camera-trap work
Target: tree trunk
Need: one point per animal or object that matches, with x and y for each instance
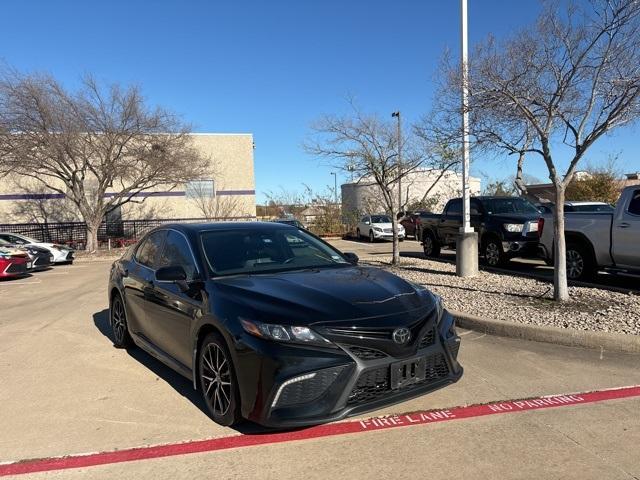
(92, 234)
(560, 287)
(396, 247)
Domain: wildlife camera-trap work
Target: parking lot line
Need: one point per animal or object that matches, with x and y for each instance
(341, 428)
(29, 282)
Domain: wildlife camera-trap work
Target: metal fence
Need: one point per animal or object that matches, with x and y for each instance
(117, 234)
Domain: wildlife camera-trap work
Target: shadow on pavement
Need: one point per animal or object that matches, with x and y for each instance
(179, 383)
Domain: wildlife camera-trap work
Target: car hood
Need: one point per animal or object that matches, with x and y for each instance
(324, 295)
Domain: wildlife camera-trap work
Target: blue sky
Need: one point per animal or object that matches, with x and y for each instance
(269, 68)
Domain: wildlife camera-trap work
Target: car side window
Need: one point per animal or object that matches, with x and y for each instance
(475, 208)
(634, 204)
(455, 207)
(147, 253)
(177, 252)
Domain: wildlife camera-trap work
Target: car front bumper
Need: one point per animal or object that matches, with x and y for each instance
(298, 386)
(521, 248)
(63, 256)
(387, 236)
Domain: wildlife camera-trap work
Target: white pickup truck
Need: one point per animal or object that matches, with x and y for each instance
(599, 241)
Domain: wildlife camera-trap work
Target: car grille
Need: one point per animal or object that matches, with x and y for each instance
(366, 353)
(17, 268)
(387, 230)
(41, 260)
(428, 339)
(375, 383)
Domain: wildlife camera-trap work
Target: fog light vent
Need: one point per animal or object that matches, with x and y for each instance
(306, 388)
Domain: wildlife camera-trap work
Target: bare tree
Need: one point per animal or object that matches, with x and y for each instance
(552, 90)
(99, 147)
(367, 147)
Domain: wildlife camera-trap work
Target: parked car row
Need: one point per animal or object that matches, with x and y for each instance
(598, 236)
(20, 254)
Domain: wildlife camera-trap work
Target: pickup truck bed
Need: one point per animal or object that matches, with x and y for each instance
(599, 241)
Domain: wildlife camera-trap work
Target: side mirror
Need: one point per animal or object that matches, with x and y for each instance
(351, 257)
(173, 274)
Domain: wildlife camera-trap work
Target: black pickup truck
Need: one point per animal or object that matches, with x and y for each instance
(507, 227)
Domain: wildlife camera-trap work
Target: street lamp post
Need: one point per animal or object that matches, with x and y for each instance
(335, 187)
(467, 244)
(397, 115)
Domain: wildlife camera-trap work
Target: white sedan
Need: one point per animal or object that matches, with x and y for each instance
(61, 253)
(377, 227)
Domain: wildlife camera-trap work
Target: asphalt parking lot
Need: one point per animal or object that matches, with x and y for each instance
(66, 391)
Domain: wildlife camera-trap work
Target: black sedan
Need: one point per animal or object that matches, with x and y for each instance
(276, 326)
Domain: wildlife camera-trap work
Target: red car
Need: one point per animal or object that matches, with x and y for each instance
(13, 263)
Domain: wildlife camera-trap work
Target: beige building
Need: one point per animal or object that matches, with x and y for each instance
(434, 186)
(227, 191)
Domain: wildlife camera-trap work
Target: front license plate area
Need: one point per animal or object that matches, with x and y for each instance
(408, 372)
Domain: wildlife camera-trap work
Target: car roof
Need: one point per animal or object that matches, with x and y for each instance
(212, 226)
(585, 203)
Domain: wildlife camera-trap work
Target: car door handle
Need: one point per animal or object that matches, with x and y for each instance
(624, 225)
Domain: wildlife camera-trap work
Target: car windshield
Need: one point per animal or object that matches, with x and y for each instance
(380, 219)
(260, 250)
(28, 239)
(509, 205)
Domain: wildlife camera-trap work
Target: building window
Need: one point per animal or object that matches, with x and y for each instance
(199, 189)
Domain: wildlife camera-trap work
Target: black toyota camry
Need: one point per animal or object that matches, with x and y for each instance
(274, 325)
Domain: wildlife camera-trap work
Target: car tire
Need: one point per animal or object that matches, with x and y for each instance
(430, 245)
(372, 238)
(119, 325)
(358, 235)
(580, 263)
(493, 254)
(217, 381)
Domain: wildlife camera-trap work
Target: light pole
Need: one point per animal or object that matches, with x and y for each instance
(467, 243)
(397, 115)
(335, 187)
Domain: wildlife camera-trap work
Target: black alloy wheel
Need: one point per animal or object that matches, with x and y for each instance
(493, 254)
(430, 245)
(118, 320)
(580, 265)
(217, 381)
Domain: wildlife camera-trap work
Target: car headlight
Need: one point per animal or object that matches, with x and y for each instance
(377, 229)
(513, 227)
(284, 333)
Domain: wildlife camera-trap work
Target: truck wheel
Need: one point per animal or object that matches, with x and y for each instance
(430, 245)
(580, 264)
(493, 254)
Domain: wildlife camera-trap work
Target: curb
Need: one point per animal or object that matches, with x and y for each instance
(611, 342)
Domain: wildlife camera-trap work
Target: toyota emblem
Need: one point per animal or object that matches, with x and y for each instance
(401, 335)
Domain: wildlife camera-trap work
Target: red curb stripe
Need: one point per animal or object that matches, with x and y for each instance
(341, 428)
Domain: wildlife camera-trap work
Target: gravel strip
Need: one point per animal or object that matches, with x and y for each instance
(524, 300)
